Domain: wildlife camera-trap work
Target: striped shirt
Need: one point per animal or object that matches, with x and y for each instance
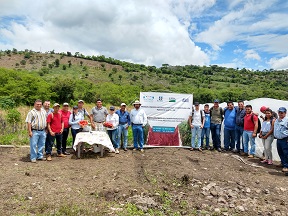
(37, 118)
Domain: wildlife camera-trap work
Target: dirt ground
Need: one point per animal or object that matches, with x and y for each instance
(160, 181)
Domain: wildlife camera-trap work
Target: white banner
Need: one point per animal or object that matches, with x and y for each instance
(165, 111)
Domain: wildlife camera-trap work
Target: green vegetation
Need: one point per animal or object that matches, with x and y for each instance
(64, 77)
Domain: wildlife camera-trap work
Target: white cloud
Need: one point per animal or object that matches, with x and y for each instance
(144, 31)
(279, 63)
(252, 54)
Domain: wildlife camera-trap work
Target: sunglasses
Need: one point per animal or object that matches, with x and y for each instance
(280, 112)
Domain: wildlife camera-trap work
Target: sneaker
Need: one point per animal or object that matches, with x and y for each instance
(199, 149)
(212, 148)
(125, 149)
(116, 151)
(250, 156)
(48, 158)
(141, 150)
(41, 159)
(219, 150)
(191, 149)
(135, 149)
(66, 153)
(279, 165)
(285, 169)
(61, 155)
(270, 162)
(264, 161)
(33, 161)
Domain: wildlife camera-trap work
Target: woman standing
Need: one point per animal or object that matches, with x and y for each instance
(74, 120)
(113, 118)
(266, 134)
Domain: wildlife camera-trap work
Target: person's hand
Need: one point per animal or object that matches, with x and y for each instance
(260, 136)
(61, 131)
(30, 133)
(254, 135)
(264, 137)
(192, 126)
(127, 127)
(52, 133)
(201, 126)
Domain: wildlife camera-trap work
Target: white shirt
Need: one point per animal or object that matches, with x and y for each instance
(196, 118)
(113, 119)
(138, 117)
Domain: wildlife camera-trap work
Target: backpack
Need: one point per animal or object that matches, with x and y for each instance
(201, 113)
(259, 123)
(222, 113)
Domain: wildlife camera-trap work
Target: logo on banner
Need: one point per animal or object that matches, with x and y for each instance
(172, 99)
(185, 100)
(160, 99)
(148, 98)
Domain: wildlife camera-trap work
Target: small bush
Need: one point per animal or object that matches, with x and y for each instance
(13, 116)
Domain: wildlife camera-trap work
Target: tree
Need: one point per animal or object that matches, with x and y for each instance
(57, 63)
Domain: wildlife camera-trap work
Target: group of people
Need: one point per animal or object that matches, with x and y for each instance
(45, 125)
(241, 127)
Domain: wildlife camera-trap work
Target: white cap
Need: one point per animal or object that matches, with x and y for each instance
(123, 104)
(65, 104)
(80, 101)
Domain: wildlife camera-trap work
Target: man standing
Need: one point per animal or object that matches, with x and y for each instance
(36, 125)
(124, 123)
(240, 113)
(46, 107)
(98, 115)
(281, 134)
(196, 122)
(206, 128)
(82, 110)
(216, 114)
(250, 131)
(55, 129)
(138, 120)
(65, 116)
(229, 127)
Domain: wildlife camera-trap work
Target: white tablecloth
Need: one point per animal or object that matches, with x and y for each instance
(95, 137)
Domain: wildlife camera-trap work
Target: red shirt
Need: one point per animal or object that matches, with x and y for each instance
(248, 123)
(65, 118)
(55, 122)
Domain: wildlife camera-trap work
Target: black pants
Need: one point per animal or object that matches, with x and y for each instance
(51, 140)
(64, 139)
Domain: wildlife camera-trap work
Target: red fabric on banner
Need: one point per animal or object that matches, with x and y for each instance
(163, 139)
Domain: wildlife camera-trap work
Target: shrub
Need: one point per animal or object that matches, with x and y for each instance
(23, 62)
(13, 116)
(7, 102)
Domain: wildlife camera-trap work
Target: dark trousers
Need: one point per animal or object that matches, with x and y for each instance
(282, 148)
(239, 137)
(215, 132)
(51, 140)
(64, 139)
(74, 133)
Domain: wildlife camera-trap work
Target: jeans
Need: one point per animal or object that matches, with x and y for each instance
(229, 139)
(267, 143)
(138, 134)
(216, 133)
(122, 130)
(206, 134)
(74, 132)
(247, 136)
(37, 142)
(64, 139)
(51, 139)
(238, 136)
(196, 130)
(112, 135)
(282, 148)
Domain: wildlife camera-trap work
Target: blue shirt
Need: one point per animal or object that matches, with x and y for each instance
(207, 120)
(124, 117)
(281, 128)
(230, 119)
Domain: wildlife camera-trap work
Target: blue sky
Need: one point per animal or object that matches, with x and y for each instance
(232, 33)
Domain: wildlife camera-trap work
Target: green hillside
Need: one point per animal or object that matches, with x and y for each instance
(27, 75)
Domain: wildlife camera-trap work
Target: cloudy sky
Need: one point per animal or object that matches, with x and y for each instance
(232, 33)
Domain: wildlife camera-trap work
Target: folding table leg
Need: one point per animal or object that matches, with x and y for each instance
(79, 149)
(101, 150)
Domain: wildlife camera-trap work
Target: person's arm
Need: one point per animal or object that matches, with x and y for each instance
(128, 120)
(91, 120)
(29, 127)
(255, 126)
(49, 129)
(116, 121)
(190, 121)
(145, 121)
(203, 120)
